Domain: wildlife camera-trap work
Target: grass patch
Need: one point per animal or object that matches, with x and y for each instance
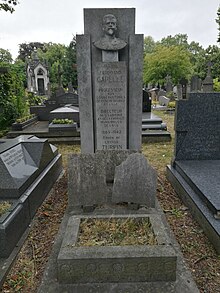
(4, 207)
(115, 232)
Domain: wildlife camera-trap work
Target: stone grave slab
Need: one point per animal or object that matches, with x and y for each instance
(135, 182)
(29, 168)
(195, 168)
(86, 181)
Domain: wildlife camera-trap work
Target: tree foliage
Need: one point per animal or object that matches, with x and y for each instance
(12, 93)
(26, 49)
(218, 22)
(8, 5)
(172, 60)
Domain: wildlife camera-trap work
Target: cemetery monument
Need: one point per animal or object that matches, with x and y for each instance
(111, 179)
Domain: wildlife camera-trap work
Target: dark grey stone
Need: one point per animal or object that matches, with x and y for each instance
(21, 164)
(135, 181)
(87, 180)
(197, 205)
(197, 127)
(66, 112)
(146, 106)
(12, 225)
(29, 168)
(204, 177)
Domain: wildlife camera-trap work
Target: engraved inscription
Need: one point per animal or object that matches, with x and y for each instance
(18, 163)
(13, 157)
(111, 106)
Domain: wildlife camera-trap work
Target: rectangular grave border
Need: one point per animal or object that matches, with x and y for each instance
(134, 263)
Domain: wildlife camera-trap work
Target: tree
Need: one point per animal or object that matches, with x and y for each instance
(8, 5)
(218, 22)
(26, 49)
(5, 56)
(12, 94)
(69, 66)
(172, 60)
(177, 40)
(149, 45)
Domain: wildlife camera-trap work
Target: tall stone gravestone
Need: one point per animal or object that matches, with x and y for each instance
(109, 57)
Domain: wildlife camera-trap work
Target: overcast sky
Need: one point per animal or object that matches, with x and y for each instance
(58, 20)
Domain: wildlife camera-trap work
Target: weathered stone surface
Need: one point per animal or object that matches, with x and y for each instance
(135, 91)
(135, 181)
(197, 127)
(129, 102)
(85, 93)
(163, 101)
(87, 180)
(111, 160)
(115, 264)
(111, 105)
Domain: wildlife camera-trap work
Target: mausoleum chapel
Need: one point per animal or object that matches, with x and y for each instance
(37, 76)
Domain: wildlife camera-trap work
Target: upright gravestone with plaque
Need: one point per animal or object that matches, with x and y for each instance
(109, 58)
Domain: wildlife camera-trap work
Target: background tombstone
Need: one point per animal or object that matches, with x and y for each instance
(207, 84)
(169, 86)
(179, 91)
(146, 102)
(195, 84)
(184, 83)
(118, 127)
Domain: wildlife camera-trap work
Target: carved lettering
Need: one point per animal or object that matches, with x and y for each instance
(111, 106)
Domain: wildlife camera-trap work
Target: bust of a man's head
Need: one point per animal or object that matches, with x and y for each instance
(109, 24)
(109, 42)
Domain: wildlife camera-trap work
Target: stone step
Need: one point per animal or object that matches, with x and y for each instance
(162, 126)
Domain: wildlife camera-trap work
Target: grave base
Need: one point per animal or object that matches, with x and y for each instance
(191, 195)
(182, 284)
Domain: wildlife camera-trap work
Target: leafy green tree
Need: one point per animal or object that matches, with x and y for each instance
(172, 60)
(218, 22)
(8, 5)
(149, 45)
(5, 56)
(27, 49)
(12, 94)
(177, 40)
(69, 65)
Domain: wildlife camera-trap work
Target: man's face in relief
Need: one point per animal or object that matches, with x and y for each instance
(109, 25)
